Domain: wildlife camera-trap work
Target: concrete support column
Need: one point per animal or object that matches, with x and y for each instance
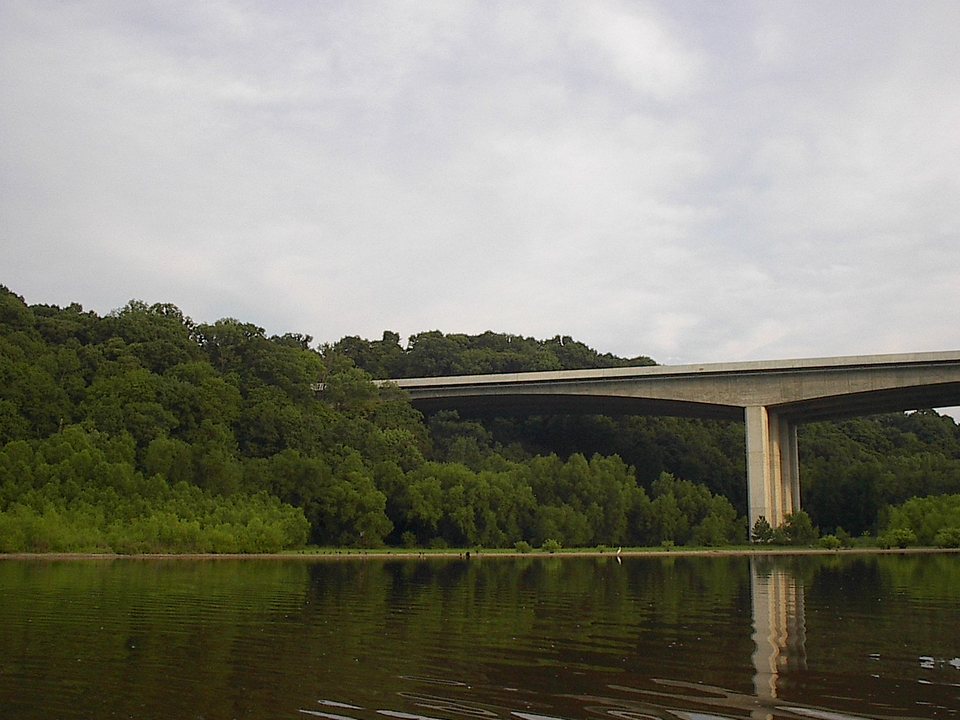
(790, 467)
(759, 499)
(773, 468)
(775, 453)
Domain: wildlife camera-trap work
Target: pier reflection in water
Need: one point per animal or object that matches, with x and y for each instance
(779, 626)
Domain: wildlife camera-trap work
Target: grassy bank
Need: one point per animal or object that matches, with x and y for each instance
(320, 553)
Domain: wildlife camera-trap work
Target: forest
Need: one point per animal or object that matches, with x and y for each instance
(144, 431)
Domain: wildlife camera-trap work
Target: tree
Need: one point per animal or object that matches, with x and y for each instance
(129, 401)
(799, 528)
(194, 392)
(669, 521)
(159, 335)
(269, 423)
(762, 532)
(230, 345)
(171, 458)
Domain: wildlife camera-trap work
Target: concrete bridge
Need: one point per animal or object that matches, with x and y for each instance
(771, 397)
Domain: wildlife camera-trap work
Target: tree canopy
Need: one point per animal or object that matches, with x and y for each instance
(142, 430)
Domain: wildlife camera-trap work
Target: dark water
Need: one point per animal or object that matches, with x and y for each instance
(485, 639)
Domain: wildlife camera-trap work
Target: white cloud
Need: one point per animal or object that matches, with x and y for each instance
(640, 48)
(777, 179)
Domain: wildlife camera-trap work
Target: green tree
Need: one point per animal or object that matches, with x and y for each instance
(799, 528)
(159, 335)
(130, 401)
(762, 531)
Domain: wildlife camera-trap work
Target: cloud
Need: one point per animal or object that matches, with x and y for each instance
(639, 48)
(694, 184)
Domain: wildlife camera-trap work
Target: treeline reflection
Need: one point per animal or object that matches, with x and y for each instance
(559, 638)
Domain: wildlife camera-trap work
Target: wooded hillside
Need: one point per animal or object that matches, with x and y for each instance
(142, 430)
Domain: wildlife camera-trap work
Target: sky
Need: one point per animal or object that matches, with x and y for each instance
(694, 181)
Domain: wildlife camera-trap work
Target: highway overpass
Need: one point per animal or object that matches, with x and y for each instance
(771, 397)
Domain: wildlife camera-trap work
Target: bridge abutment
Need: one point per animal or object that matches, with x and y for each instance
(773, 465)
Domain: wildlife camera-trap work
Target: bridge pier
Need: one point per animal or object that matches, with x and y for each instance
(773, 465)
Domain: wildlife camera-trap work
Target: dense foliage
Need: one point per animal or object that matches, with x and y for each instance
(928, 520)
(850, 470)
(142, 430)
(79, 490)
(432, 354)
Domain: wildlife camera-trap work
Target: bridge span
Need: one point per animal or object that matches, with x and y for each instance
(771, 397)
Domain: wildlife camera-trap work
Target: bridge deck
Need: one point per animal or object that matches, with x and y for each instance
(845, 362)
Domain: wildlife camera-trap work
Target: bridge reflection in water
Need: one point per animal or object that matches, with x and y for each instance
(779, 631)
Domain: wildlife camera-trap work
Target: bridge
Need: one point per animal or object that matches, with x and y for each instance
(771, 397)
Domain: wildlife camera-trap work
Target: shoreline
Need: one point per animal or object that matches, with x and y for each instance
(469, 554)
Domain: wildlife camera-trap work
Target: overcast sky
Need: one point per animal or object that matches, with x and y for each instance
(694, 181)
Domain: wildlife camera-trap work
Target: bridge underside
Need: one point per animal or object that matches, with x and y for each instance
(773, 465)
(521, 405)
(858, 404)
(773, 459)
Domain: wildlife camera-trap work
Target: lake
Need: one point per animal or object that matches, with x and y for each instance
(486, 638)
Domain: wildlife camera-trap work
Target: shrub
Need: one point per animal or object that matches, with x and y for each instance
(947, 538)
(897, 537)
(551, 546)
(830, 542)
(780, 536)
(523, 546)
(844, 537)
(12, 537)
